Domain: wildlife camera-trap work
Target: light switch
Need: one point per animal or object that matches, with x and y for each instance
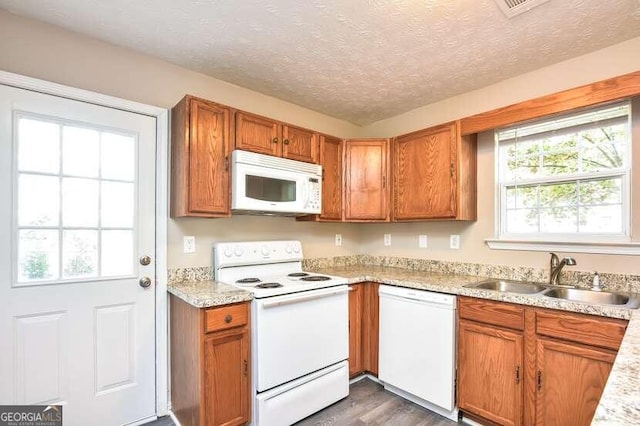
(189, 243)
(387, 239)
(422, 241)
(338, 239)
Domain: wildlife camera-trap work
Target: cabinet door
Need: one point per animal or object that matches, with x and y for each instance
(570, 379)
(371, 328)
(209, 159)
(258, 134)
(356, 300)
(366, 191)
(299, 144)
(490, 371)
(331, 161)
(226, 378)
(425, 171)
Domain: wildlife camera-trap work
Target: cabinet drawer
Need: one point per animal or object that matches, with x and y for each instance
(225, 317)
(489, 312)
(587, 329)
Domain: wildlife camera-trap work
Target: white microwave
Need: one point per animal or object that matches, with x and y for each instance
(263, 184)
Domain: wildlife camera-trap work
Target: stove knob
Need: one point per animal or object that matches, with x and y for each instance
(238, 251)
(264, 251)
(288, 249)
(228, 252)
(296, 248)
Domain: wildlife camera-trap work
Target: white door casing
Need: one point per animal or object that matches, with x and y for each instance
(88, 343)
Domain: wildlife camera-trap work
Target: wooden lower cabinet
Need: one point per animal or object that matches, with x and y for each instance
(210, 364)
(363, 328)
(490, 372)
(525, 365)
(570, 379)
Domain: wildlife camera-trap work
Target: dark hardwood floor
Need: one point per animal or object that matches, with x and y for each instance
(369, 404)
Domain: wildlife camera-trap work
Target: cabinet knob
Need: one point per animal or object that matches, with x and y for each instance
(228, 319)
(275, 140)
(286, 141)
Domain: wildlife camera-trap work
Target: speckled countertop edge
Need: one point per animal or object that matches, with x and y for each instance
(206, 294)
(620, 402)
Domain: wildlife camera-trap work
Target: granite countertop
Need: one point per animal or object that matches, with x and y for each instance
(620, 402)
(205, 294)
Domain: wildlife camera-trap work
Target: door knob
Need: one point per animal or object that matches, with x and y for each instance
(145, 282)
(145, 260)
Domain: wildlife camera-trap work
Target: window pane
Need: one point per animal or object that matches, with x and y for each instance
(601, 219)
(602, 157)
(559, 220)
(604, 191)
(117, 253)
(118, 157)
(38, 146)
(117, 204)
(561, 194)
(79, 202)
(522, 220)
(559, 163)
(37, 255)
(80, 151)
(38, 200)
(79, 254)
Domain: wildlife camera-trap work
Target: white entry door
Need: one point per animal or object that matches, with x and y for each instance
(77, 215)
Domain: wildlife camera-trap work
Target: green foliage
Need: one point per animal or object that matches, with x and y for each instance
(36, 266)
(78, 266)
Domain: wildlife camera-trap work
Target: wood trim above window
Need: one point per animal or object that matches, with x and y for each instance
(615, 88)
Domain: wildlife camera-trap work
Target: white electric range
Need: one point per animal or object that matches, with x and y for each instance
(300, 329)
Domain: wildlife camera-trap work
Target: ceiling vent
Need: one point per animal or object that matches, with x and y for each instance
(512, 8)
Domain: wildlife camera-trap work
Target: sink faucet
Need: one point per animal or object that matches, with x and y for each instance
(556, 266)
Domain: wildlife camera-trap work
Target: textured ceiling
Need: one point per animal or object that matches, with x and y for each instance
(359, 60)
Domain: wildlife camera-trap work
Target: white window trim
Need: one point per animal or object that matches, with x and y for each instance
(582, 243)
(162, 206)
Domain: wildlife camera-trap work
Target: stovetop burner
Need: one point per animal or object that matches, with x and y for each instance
(269, 285)
(315, 278)
(248, 280)
(298, 274)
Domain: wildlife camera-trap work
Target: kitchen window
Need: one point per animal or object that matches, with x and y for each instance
(566, 178)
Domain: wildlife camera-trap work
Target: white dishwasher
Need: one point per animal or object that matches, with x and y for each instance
(418, 347)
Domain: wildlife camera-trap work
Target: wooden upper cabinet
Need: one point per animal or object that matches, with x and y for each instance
(435, 175)
(299, 144)
(265, 136)
(570, 379)
(258, 134)
(331, 160)
(490, 372)
(366, 177)
(200, 149)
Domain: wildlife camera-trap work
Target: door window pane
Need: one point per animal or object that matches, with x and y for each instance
(117, 208)
(38, 200)
(80, 151)
(118, 157)
(79, 254)
(117, 253)
(79, 202)
(37, 255)
(38, 146)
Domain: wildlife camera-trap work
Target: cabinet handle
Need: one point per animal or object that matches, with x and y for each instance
(384, 182)
(452, 170)
(323, 174)
(226, 163)
(286, 141)
(539, 380)
(246, 368)
(228, 319)
(517, 375)
(275, 140)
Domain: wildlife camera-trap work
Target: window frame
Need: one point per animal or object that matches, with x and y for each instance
(570, 241)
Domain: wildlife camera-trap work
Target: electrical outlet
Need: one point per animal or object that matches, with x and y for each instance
(338, 239)
(454, 242)
(387, 239)
(422, 241)
(189, 243)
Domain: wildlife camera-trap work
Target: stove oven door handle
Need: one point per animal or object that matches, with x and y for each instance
(303, 298)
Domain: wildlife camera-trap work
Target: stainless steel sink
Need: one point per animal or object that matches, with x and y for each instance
(589, 296)
(506, 286)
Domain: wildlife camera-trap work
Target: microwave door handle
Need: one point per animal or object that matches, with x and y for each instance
(305, 196)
